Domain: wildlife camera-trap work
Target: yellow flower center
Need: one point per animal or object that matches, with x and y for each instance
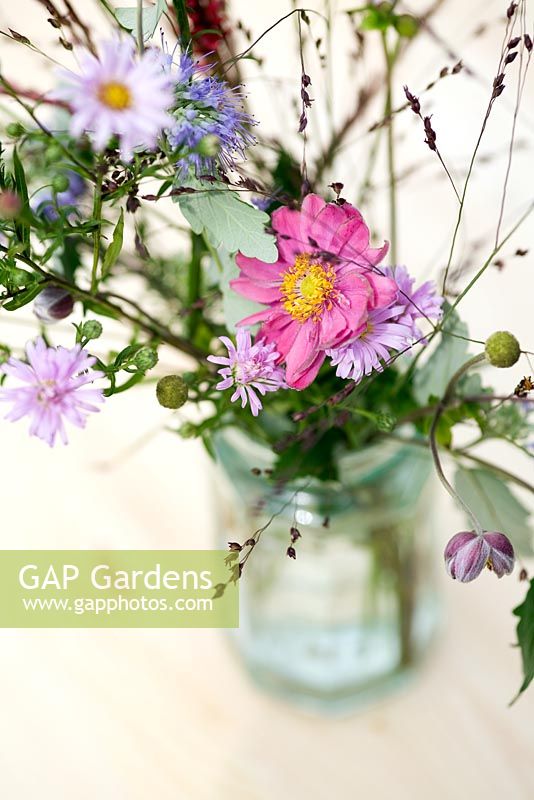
(115, 95)
(308, 288)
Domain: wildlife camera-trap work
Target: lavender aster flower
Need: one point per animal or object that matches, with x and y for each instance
(412, 305)
(53, 389)
(250, 368)
(47, 204)
(210, 127)
(119, 94)
(366, 353)
(467, 553)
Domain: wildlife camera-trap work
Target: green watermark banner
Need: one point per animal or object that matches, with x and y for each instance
(118, 589)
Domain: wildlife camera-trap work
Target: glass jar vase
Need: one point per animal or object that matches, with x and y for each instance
(351, 615)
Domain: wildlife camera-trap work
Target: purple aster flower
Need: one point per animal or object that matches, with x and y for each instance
(53, 389)
(412, 305)
(47, 203)
(119, 94)
(210, 127)
(250, 368)
(372, 347)
(467, 553)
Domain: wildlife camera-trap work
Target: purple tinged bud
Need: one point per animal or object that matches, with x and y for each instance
(10, 204)
(53, 304)
(502, 556)
(467, 553)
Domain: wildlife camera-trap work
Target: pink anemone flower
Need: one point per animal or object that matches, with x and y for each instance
(319, 293)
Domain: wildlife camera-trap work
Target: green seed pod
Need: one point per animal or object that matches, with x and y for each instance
(188, 431)
(406, 26)
(385, 422)
(172, 391)
(60, 183)
(15, 129)
(145, 358)
(502, 349)
(91, 329)
(53, 153)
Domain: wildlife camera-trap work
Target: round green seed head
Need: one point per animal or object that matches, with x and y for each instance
(502, 349)
(145, 358)
(15, 129)
(53, 153)
(172, 391)
(60, 183)
(91, 329)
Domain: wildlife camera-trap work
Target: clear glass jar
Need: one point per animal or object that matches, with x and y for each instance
(352, 614)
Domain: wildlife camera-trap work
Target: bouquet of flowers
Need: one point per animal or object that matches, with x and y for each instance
(297, 323)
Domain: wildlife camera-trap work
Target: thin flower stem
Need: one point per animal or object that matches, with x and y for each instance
(520, 87)
(457, 454)
(472, 162)
(433, 437)
(390, 62)
(144, 322)
(11, 91)
(97, 213)
(140, 39)
(487, 262)
(194, 284)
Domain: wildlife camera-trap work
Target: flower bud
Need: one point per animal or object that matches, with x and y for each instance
(172, 392)
(385, 422)
(53, 153)
(502, 349)
(60, 183)
(467, 553)
(91, 329)
(406, 25)
(10, 204)
(145, 358)
(188, 431)
(15, 129)
(53, 304)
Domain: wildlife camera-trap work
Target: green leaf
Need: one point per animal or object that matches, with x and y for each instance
(525, 637)
(151, 16)
(451, 353)
(183, 22)
(100, 309)
(228, 221)
(114, 249)
(495, 506)
(235, 307)
(24, 297)
(22, 227)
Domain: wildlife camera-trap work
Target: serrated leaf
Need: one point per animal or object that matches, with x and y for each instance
(235, 307)
(112, 253)
(228, 221)
(495, 506)
(151, 16)
(450, 354)
(525, 637)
